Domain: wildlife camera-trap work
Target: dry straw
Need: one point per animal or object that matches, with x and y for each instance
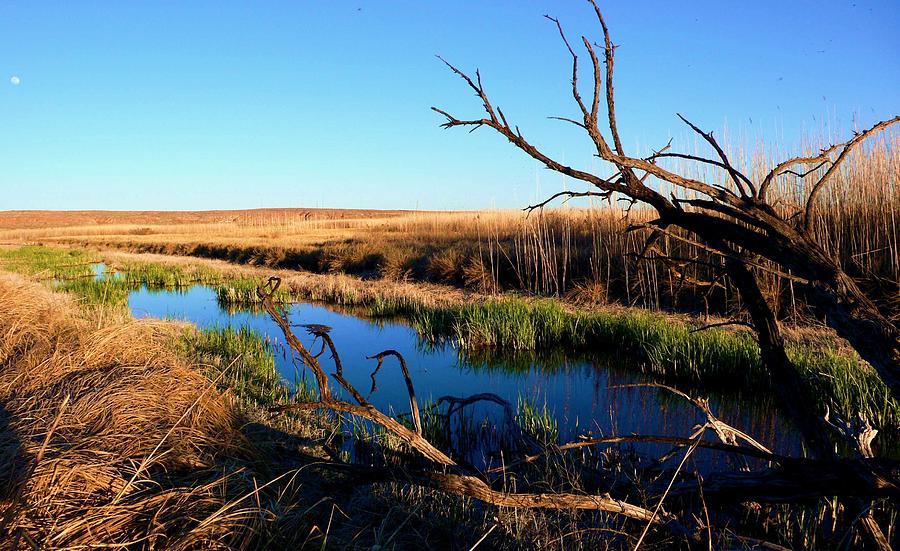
(108, 439)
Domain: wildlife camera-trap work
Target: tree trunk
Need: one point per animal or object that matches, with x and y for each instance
(846, 309)
(785, 380)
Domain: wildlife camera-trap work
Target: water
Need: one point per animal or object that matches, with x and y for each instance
(584, 394)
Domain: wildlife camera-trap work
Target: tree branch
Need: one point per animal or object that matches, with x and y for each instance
(847, 148)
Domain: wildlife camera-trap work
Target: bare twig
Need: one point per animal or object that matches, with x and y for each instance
(413, 404)
(847, 148)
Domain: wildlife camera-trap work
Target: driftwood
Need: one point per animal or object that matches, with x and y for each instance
(459, 483)
(786, 480)
(472, 486)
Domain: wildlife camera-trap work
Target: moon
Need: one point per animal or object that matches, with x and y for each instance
(15, 80)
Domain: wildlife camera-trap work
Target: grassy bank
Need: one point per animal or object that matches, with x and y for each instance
(667, 348)
(109, 438)
(580, 253)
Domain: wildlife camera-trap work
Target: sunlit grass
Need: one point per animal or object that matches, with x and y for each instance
(48, 263)
(240, 360)
(662, 346)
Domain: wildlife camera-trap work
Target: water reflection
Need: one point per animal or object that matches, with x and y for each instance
(583, 393)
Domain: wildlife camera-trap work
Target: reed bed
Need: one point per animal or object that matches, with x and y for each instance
(580, 253)
(666, 348)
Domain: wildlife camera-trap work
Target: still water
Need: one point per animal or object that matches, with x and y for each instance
(584, 394)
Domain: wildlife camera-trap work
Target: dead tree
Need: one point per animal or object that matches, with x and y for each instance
(784, 480)
(451, 477)
(734, 219)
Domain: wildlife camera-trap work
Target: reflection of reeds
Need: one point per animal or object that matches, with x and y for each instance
(665, 348)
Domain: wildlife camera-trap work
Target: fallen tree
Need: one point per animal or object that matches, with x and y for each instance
(782, 479)
(736, 220)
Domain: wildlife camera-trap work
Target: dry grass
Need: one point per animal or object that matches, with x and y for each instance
(558, 252)
(140, 222)
(108, 438)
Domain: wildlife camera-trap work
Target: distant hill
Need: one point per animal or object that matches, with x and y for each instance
(14, 219)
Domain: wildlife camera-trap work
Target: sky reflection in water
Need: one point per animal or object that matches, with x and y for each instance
(577, 391)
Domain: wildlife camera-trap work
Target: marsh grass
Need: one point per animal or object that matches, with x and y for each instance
(100, 292)
(47, 263)
(242, 291)
(159, 276)
(538, 422)
(241, 361)
(582, 253)
(665, 348)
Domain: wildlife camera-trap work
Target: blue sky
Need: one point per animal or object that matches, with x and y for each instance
(207, 105)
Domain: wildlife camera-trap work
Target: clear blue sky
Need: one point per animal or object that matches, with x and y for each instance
(205, 105)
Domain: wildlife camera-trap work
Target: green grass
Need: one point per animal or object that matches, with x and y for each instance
(664, 348)
(517, 324)
(48, 263)
(242, 291)
(241, 360)
(163, 276)
(537, 422)
(99, 292)
(72, 271)
(69, 270)
(849, 383)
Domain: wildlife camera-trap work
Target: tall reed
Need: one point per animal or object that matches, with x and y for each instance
(582, 253)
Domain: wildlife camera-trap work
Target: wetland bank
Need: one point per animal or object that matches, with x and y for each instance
(549, 313)
(693, 345)
(536, 354)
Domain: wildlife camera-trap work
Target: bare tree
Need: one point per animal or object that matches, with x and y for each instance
(423, 464)
(735, 220)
